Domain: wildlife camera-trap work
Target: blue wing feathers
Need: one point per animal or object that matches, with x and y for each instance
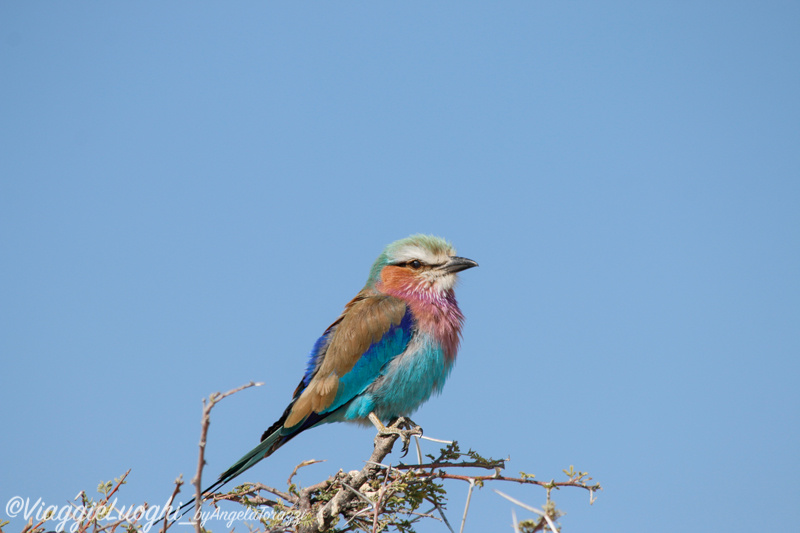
(316, 352)
(372, 362)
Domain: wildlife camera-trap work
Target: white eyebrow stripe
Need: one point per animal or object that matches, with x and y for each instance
(409, 253)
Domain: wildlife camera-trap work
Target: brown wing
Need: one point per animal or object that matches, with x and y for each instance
(365, 320)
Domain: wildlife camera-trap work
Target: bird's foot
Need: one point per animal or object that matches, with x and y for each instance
(401, 426)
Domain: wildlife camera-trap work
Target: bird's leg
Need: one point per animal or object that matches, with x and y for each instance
(401, 426)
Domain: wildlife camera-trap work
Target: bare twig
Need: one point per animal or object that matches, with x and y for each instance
(301, 465)
(178, 484)
(201, 461)
(466, 507)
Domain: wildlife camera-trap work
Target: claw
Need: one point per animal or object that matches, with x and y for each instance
(402, 426)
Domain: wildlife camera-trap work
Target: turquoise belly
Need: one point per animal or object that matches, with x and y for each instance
(406, 383)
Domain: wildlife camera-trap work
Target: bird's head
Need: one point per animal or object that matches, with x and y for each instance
(421, 265)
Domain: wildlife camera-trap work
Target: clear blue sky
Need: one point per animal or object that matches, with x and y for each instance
(191, 191)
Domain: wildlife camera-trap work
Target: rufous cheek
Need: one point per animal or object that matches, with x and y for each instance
(395, 278)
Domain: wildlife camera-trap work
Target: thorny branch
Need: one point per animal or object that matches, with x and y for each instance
(376, 498)
(380, 495)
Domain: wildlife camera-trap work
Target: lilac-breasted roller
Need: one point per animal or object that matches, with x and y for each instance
(392, 347)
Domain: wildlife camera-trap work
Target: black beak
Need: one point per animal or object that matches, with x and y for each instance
(457, 264)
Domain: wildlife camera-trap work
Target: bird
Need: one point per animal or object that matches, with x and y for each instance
(389, 351)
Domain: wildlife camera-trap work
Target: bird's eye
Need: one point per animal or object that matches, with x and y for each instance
(415, 264)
